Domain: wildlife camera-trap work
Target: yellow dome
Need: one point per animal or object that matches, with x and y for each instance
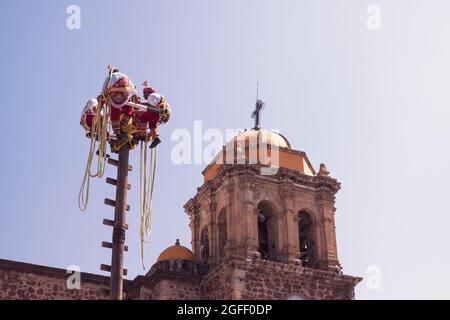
(264, 137)
(176, 252)
(252, 140)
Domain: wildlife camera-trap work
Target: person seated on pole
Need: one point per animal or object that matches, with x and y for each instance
(88, 116)
(147, 122)
(119, 90)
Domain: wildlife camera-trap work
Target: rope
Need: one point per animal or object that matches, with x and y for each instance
(147, 183)
(83, 195)
(99, 132)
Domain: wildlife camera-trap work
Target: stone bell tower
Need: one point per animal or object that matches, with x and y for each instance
(263, 224)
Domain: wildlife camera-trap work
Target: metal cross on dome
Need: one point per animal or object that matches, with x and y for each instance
(257, 112)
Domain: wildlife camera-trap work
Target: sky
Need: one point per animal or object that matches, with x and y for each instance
(372, 104)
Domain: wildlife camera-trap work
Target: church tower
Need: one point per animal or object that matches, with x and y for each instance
(263, 224)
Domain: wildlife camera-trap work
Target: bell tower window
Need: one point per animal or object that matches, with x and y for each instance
(263, 237)
(267, 231)
(307, 241)
(204, 245)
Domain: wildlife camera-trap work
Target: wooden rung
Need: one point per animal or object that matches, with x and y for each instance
(108, 245)
(107, 268)
(114, 182)
(110, 223)
(112, 203)
(115, 163)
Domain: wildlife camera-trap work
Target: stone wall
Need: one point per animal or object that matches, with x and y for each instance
(236, 278)
(217, 284)
(267, 280)
(23, 281)
(169, 280)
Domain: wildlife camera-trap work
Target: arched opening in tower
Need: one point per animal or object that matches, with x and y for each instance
(267, 231)
(204, 245)
(222, 226)
(307, 243)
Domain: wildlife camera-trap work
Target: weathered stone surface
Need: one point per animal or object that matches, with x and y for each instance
(31, 282)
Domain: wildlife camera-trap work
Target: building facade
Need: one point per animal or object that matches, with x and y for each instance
(263, 227)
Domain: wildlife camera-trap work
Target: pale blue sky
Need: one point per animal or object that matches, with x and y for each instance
(372, 105)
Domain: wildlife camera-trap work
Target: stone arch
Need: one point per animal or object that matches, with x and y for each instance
(267, 230)
(222, 234)
(307, 238)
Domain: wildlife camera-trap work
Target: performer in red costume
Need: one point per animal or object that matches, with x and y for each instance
(88, 114)
(147, 122)
(119, 90)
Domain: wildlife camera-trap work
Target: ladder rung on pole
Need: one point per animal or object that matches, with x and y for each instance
(115, 163)
(114, 182)
(112, 203)
(108, 245)
(107, 268)
(110, 223)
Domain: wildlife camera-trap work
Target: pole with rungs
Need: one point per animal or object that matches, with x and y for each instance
(118, 238)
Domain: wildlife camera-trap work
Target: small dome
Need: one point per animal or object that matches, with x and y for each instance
(263, 136)
(176, 252)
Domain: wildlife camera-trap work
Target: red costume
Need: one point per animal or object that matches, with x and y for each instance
(88, 115)
(145, 121)
(120, 90)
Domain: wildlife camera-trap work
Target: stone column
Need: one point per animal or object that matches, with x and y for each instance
(213, 243)
(194, 224)
(293, 248)
(289, 231)
(249, 222)
(326, 203)
(232, 212)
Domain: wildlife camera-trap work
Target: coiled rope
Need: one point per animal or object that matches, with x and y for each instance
(100, 130)
(147, 183)
(98, 133)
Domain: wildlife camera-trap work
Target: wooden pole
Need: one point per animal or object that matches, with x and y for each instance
(118, 239)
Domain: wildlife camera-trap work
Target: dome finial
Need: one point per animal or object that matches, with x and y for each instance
(177, 243)
(257, 114)
(259, 106)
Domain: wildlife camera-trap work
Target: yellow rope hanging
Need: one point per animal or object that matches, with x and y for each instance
(99, 132)
(83, 195)
(102, 134)
(147, 182)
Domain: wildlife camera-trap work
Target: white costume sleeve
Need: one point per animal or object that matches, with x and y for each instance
(154, 99)
(91, 104)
